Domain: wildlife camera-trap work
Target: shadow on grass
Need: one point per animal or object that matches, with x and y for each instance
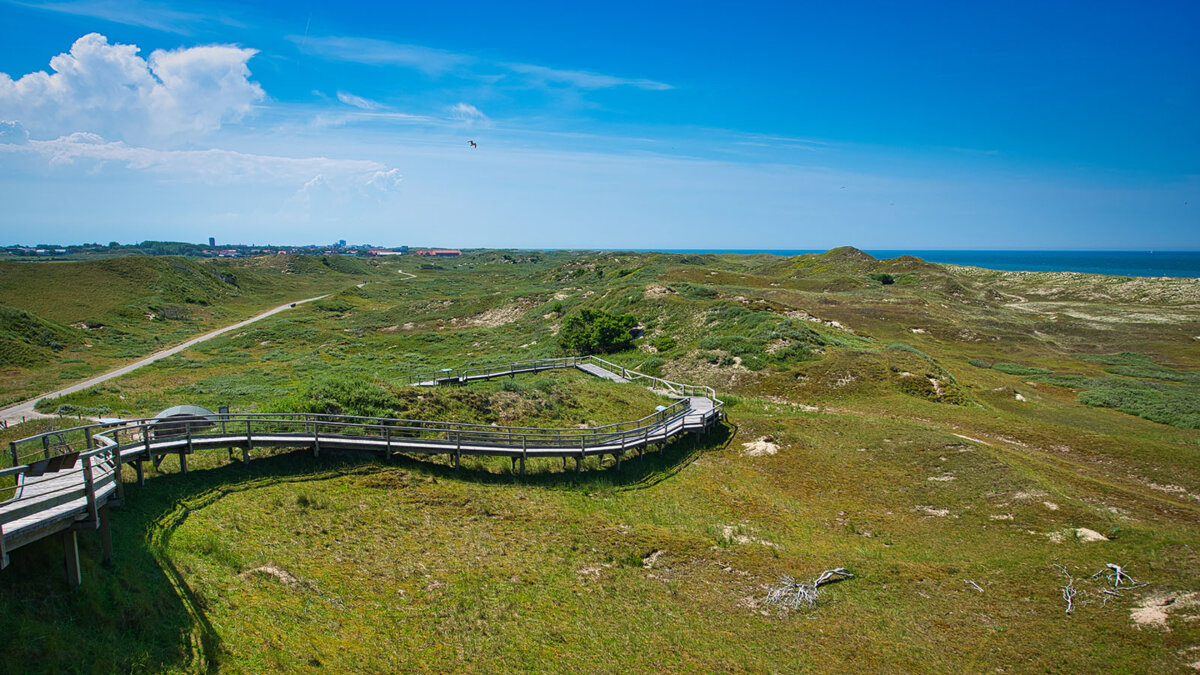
(140, 615)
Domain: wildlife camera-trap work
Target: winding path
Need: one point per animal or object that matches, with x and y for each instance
(25, 410)
(65, 480)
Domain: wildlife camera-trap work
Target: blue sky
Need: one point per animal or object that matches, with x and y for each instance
(670, 125)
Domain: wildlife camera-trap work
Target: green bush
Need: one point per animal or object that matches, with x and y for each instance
(664, 343)
(979, 363)
(597, 332)
(339, 395)
(1019, 369)
(883, 279)
(1173, 404)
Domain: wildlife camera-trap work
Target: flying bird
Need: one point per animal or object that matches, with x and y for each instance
(473, 144)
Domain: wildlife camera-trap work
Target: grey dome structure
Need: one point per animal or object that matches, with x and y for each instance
(177, 419)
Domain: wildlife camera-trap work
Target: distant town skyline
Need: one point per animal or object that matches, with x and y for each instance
(1069, 126)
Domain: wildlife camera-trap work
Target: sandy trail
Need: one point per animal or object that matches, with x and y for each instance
(24, 410)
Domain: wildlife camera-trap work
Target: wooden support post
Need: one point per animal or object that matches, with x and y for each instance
(578, 464)
(146, 440)
(618, 456)
(116, 453)
(524, 452)
(458, 450)
(141, 472)
(182, 455)
(87, 438)
(89, 486)
(316, 440)
(71, 558)
(522, 465)
(246, 455)
(249, 439)
(106, 547)
(12, 445)
(513, 463)
(387, 450)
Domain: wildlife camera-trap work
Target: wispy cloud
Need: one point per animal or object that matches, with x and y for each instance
(215, 166)
(465, 112)
(359, 102)
(381, 52)
(438, 62)
(133, 13)
(581, 78)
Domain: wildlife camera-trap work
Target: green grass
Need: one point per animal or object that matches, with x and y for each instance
(418, 566)
(51, 332)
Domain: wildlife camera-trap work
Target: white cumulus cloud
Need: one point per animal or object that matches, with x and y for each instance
(13, 133)
(108, 89)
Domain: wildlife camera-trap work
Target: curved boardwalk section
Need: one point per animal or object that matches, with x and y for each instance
(64, 481)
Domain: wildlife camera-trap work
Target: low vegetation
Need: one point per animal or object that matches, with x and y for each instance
(947, 439)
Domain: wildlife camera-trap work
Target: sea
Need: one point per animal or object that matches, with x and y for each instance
(1117, 263)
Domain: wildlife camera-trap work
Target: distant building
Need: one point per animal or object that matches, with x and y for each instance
(212, 241)
(439, 252)
(341, 243)
(383, 251)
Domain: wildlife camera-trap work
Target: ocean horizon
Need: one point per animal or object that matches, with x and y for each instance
(1181, 264)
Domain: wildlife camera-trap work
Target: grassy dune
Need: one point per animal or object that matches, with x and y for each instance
(61, 322)
(954, 425)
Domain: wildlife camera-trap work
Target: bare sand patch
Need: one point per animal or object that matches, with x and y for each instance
(1154, 610)
(281, 575)
(736, 534)
(763, 446)
(1085, 535)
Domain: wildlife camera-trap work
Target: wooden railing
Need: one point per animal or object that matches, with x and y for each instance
(103, 448)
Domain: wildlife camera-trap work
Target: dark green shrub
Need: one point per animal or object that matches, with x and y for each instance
(664, 343)
(597, 332)
(1019, 369)
(979, 363)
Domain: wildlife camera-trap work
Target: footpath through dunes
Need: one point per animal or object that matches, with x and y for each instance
(65, 481)
(25, 410)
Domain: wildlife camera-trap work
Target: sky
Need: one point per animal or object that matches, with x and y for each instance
(697, 125)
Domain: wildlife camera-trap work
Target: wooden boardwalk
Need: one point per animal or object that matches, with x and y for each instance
(77, 497)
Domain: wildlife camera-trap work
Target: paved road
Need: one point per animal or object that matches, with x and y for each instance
(24, 410)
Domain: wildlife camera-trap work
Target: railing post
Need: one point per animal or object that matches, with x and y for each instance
(387, 450)
(46, 446)
(524, 452)
(87, 437)
(458, 449)
(316, 439)
(249, 441)
(89, 485)
(12, 445)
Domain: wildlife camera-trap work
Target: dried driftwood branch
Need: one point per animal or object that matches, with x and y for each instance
(791, 594)
(1119, 577)
(1069, 591)
(973, 585)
